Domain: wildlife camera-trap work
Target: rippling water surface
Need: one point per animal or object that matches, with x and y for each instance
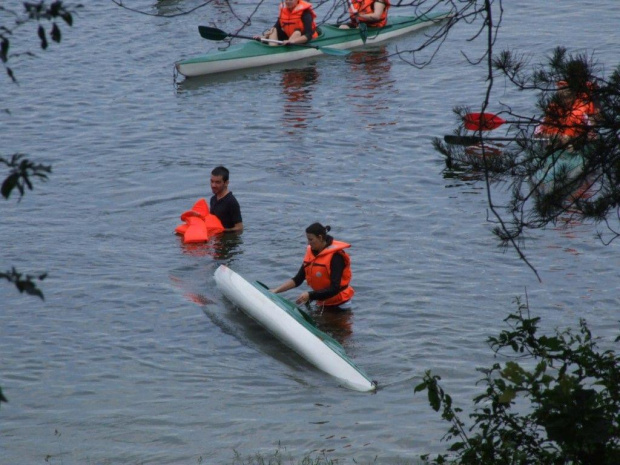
(135, 357)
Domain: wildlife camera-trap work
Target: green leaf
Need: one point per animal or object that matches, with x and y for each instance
(507, 396)
(514, 373)
(55, 8)
(55, 34)
(457, 446)
(551, 343)
(4, 49)
(43, 38)
(9, 184)
(67, 18)
(433, 399)
(420, 387)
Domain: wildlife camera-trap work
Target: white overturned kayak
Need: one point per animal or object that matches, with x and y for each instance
(293, 327)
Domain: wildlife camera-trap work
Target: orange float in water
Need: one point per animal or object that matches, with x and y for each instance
(200, 225)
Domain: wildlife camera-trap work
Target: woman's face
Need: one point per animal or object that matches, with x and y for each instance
(316, 243)
(290, 4)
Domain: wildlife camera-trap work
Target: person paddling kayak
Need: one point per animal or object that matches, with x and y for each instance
(295, 24)
(326, 268)
(372, 13)
(571, 114)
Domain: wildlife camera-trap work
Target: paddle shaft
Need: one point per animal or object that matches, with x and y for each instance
(326, 50)
(273, 41)
(212, 33)
(473, 140)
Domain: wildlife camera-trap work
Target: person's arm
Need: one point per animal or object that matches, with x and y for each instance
(306, 34)
(285, 286)
(291, 283)
(273, 33)
(238, 227)
(375, 16)
(337, 268)
(307, 19)
(235, 215)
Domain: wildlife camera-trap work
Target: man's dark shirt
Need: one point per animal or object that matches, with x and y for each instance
(227, 209)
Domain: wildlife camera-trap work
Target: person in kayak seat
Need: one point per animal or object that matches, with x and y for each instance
(327, 270)
(572, 113)
(223, 203)
(295, 24)
(373, 13)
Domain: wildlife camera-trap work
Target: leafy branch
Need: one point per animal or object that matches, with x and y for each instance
(573, 393)
(21, 170)
(38, 12)
(24, 283)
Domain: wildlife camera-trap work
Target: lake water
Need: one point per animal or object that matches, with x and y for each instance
(134, 357)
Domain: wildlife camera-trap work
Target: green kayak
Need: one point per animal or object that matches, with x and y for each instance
(253, 54)
(559, 171)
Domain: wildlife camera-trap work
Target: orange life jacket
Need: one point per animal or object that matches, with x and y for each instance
(200, 225)
(572, 122)
(318, 272)
(290, 20)
(367, 7)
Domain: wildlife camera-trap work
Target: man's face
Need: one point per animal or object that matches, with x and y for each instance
(218, 185)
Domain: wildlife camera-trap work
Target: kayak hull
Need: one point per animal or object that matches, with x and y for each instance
(292, 327)
(254, 54)
(559, 171)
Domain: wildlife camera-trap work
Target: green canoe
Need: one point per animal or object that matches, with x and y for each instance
(253, 54)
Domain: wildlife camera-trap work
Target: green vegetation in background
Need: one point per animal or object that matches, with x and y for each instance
(556, 400)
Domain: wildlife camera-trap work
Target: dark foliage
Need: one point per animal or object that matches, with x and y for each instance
(551, 179)
(555, 401)
(22, 171)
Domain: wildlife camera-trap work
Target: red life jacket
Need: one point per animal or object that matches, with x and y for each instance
(290, 20)
(318, 272)
(367, 7)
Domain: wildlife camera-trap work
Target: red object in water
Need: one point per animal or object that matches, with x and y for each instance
(200, 225)
(482, 121)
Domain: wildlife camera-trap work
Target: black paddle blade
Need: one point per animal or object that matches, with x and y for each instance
(474, 140)
(212, 33)
(462, 140)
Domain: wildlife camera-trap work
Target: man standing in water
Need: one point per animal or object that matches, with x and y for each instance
(223, 204)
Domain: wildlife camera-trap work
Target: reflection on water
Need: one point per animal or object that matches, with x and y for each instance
(191, 294)
(337, 323)
(370, 80)
(221, 247)
(297, 87)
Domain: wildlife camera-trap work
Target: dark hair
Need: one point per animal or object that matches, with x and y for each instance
(319, 230)
(221, 171)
